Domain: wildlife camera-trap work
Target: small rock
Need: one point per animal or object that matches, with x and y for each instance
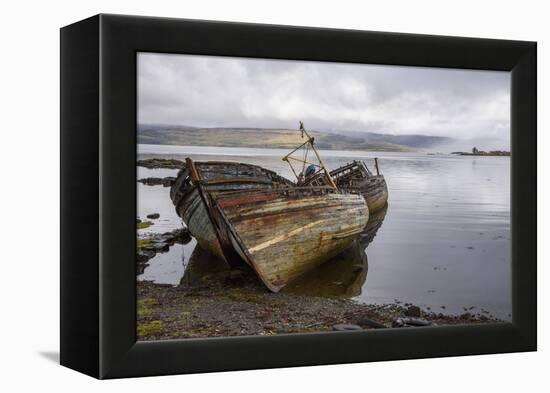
(182, 235)
(153, 216)
(144, 255)
(413, 311)
(370, 323)
(346, 327)
(410, 322)
(138, 220)
(168, 235)
(161, 246)
(416, 322)
(466, 316)
(398, 323)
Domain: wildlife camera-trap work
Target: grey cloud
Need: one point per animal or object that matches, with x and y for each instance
(238, 92)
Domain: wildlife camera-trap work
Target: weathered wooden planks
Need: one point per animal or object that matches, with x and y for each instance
(243, 212)
(190, 190)
(357, 178)
(283, 235)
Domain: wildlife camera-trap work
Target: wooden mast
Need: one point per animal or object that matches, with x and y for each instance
(310, 141)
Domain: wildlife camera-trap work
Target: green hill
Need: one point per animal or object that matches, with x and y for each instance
(279, 138)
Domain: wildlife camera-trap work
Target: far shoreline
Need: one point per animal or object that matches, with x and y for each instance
(150, 150)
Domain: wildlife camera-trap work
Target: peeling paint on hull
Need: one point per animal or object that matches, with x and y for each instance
(282, 242)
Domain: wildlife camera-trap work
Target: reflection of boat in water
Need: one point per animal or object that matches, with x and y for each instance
(243, 212)
(375, 222)
(357, 177)
(345, 274)
(200, 267)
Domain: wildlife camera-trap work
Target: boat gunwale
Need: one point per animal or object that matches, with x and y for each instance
(291, 210)
(237, 163)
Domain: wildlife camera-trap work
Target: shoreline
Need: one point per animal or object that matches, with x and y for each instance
(232, 302)
(483, 154)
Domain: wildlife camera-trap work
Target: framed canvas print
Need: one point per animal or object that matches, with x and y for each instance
(240, 196)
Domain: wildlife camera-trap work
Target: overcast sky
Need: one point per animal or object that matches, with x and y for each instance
(209, 91)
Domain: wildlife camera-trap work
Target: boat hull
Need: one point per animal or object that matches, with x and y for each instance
(374, 189)
(355, 177)
(282, 235)
(196, 217)
(194, 182)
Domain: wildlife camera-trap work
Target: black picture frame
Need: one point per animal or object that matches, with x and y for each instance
(98, 195)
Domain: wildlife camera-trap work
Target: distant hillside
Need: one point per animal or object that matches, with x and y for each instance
(281, 138)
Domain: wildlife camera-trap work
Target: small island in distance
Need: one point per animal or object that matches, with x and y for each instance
(476, 152)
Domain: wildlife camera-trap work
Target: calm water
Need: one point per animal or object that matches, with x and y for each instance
(444, 241)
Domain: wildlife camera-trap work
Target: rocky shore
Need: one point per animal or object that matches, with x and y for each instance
(157, 163)
(233, 302)
(158, 181)
(149, 246)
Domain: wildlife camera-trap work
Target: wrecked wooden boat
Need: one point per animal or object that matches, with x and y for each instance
(282, 229)
(283, 233)
(243, 212)
(190, 193)
(357, 177)
(346, 274)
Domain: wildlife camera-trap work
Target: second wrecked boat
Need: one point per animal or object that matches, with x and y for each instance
(357, 177)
